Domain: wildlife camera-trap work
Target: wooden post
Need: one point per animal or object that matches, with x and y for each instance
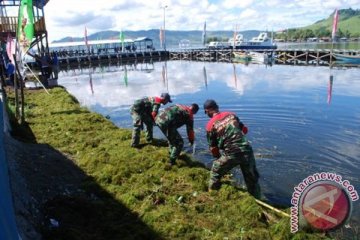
(16, 89)
(22, 106)
(317, 58)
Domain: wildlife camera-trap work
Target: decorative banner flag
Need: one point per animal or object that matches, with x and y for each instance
(234, 36)
(204, 35)
(10, 48)
(161, 37)
(86, 39)
(122, 39)
(25, 31)
(335, 23)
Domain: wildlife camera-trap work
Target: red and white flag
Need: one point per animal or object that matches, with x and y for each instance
(335, 23)
(161, 37)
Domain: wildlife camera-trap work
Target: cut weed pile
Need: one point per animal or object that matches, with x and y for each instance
(128, 193)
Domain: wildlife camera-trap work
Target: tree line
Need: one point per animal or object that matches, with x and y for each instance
(303, 34)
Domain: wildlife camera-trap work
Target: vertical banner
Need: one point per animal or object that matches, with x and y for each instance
(10, 48)
(335, 23)
(234, 36)
(204, 34)
(122, 39)
(86, 40)
(25, 30)
(161, 37)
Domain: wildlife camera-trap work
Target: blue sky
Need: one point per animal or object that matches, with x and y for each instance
(69, 17)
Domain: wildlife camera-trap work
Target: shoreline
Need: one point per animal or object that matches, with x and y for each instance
(78, 167)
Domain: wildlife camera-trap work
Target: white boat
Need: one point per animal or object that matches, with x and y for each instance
(261, 57)
(184, 43)
(262, 41)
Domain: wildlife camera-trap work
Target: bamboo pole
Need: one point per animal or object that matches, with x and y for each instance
(284, 214)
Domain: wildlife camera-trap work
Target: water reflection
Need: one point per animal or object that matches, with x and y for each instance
(205, 77)
(125, 76)
(331, 79)
(294, 129)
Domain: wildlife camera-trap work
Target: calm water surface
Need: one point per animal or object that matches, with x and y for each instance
(302, 119)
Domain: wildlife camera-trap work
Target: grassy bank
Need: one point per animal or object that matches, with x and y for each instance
(128, 193)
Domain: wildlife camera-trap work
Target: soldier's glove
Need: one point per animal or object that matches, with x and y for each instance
(191, 136)
(245, 129)
(215, 152)
(153, 114)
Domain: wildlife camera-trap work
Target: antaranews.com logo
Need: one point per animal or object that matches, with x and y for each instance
(323, 201)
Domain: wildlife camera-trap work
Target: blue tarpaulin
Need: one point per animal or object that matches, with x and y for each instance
(8, 228)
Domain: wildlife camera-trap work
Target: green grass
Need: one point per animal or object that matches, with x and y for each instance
(346, 23)
(133, 190)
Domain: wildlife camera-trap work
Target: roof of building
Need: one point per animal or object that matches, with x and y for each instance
(37, 3)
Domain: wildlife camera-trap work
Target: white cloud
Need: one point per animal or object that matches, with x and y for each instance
(68, 17)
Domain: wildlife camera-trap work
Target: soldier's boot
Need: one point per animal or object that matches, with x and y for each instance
(255, 191)
(214, 185)
(149, 135)
(170, 164)
(135, 139)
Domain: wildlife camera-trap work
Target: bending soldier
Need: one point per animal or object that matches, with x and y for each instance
(226, 132)
(172, 118)
(144, 111)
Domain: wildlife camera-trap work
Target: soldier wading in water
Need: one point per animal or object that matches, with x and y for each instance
(226, 132)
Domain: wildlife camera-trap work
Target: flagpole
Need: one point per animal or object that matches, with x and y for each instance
(164, 36)
(333, 34)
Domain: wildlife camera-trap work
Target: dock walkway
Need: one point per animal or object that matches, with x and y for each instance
(323, 57)
(317, 57)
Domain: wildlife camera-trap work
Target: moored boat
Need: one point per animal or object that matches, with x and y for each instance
(262, 41)
(241, 57)
(352, 59)
(261, 57)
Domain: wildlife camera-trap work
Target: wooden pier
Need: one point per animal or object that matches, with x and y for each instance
(309, 57)
(121, 57)
(318, 57)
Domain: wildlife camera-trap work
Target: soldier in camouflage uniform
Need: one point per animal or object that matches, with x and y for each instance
(144, 111)
(227, 133)
(172, 118)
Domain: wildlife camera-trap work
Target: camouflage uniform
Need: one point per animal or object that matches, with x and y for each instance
(225, 132)
(142, 112)
(169, 120)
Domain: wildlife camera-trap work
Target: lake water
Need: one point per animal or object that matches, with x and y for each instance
(302, 119)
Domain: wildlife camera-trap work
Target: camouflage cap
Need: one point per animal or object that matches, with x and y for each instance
(195, 108)
(210, 104)
(166, 96)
